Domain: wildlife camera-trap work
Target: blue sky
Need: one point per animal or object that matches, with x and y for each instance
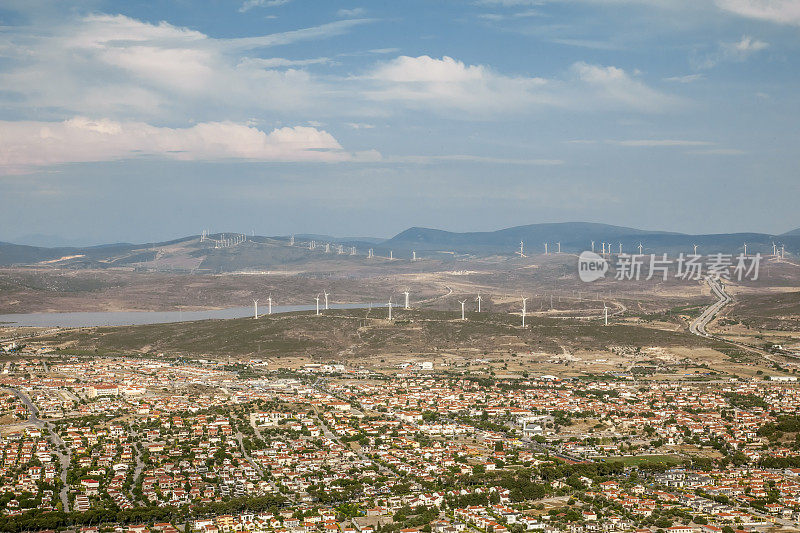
(140, 121)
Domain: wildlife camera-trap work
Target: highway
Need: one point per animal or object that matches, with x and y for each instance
(698, 325)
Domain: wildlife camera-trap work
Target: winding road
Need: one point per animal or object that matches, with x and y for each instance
(698, 325)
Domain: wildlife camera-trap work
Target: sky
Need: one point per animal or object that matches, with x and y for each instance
(142, 121)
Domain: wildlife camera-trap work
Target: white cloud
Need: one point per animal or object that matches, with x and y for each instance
(779, 11)
(250, 4)
(745, 47)
(689, 78)
(29, 144)
(121, 67)
(614, 87)
(449, 84)
(280, 62)
(349, 13)
(731, 51)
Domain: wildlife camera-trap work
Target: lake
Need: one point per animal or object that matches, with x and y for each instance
(131, 318)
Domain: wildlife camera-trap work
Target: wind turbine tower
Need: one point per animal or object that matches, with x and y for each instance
(605, 314)
(326, 293)
(390, 309)
(620, 248)
(774, 249)
(695, 249)
(521, 249)
(524, 310)
(462, 302)
(369, 254)
(478, 299)
(559, 247)
(545, 248)
(269, 305)
(592, 246)
(406, 293)
(291, 240)
(317, 299)
(255, 308)
(745, 249)
(413, 255)
(391, 255)
(640, 248)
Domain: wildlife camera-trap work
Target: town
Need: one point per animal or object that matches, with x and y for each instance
(165, 444)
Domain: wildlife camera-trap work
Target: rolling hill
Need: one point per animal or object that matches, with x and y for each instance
(195, 254)
(578, 236)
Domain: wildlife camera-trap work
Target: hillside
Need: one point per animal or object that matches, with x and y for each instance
(216, 253)
(575, 237)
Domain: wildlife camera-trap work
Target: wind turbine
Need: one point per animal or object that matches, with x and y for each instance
(545, 248)
(783, 252)
(604, 248)
(745, 249)
(605, 314)
(390, 309)
(774, 249)
(413, 255)
(255, 308)
(521, 249)
(462, 302)
(478, 299)
(695, 249)
(592, 246)
(406, 293)
(326, 293)
(317, 298)
(559, 247)
(524, 300)
(640, 248)
(620, 248)
(269, 303)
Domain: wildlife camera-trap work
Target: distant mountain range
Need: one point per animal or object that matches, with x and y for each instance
(578, 236)
(189, 253)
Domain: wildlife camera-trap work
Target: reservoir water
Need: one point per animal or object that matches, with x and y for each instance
(130, 318)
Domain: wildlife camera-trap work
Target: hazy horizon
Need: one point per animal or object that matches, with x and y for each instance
(53, 241)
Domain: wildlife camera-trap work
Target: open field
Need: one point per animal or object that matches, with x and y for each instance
(550, 283)
(485, 343)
